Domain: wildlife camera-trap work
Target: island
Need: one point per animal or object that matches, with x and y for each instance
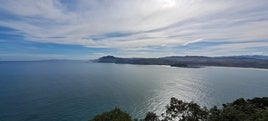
(191, 61)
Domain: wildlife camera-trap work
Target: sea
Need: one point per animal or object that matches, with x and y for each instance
(79, 90)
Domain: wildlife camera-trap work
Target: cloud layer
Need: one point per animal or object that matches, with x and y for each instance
(166, 27)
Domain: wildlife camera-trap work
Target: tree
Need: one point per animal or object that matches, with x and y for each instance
(114, 115)
(183, 111)
(255, 109)
(150, 116)
(214, 114)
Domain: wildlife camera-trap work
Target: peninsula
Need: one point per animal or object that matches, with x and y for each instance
(191, 61)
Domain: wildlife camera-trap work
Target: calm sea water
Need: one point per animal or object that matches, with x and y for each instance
(76, 91)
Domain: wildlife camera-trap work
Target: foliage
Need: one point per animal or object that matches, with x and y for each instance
(243, 110)
(255, 109)
(183, 111)
(150, 116)
(114, 115)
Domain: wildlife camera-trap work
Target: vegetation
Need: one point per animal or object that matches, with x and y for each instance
(191, 61)
(240, 110)
(114, 115)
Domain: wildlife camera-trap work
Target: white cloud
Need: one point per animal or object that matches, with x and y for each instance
(232, 49)
(154, 23)
(194, 41)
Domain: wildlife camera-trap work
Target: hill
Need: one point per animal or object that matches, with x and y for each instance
(191, 61)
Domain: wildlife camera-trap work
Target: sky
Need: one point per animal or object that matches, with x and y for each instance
(88, 29)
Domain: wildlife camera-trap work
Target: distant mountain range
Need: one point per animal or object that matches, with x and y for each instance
(245, 61)
(252, 56)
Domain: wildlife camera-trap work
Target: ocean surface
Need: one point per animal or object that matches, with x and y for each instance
(76, 91)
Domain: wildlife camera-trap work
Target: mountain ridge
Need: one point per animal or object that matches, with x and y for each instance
(191, 61)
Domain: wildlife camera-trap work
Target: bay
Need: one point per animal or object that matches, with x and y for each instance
(76, 91)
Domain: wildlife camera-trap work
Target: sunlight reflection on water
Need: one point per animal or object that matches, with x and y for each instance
(78, 91)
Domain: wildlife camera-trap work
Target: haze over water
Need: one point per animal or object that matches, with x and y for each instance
(66, 91)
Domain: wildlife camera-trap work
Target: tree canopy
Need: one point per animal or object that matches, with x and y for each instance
(114, 115)
(255, 109)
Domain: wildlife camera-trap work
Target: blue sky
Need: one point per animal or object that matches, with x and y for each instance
(88, 29)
